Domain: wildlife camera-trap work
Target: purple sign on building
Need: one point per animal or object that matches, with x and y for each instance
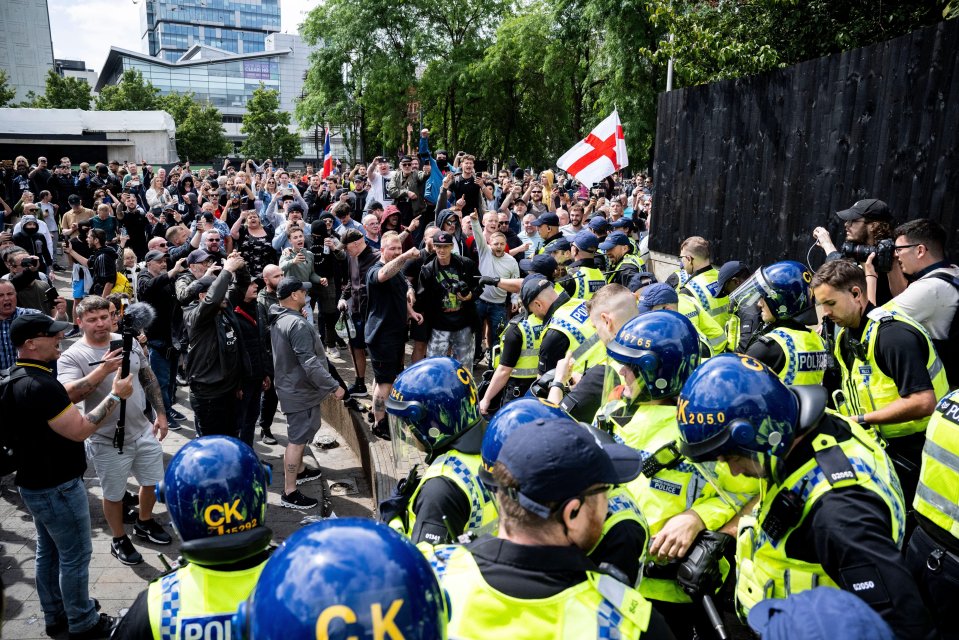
(256, 69)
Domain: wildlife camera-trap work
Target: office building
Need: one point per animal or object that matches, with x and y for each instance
(26, 49)
(76, 69)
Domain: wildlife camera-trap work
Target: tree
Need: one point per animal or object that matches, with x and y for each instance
(6, 93)
(265, 126)
(199, 127)
(132, 93)
(61, 93)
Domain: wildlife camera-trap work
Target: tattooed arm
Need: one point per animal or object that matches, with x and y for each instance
(151, 387)
(71, 424)
(395, 265)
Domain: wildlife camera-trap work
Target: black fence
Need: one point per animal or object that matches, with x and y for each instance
(755, 164)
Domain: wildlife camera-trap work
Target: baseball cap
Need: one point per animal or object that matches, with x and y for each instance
(289, 286)
(442, 238)
(197, 256)
(657, 294)
(548, 218)
(870, 209)
(154, 255)
(73, 199)
(613, 240)
(295, 207)
(558, 461)
(543, 264)
(598, 223)
(533, 285)
(622, 223)
(559, 244)
(727, 271)
(818, 614)
(586, 241)
(35, 325)
(639, 280)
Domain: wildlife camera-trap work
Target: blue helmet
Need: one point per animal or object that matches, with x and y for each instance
(215, 486)
(344, 578)
(733, 404)
(509, 417)
(436, 401)
(662, 348)
(783, 285)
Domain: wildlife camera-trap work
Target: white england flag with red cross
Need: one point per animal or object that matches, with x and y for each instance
(601, 154)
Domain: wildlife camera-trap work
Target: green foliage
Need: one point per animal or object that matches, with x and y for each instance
(61, 93)
(199, 127)
(7, 94)
(132, 93)
(266, 128)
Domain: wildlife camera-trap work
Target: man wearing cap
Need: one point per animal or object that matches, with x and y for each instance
(662, 296)
(559, 250)
(585, 274)
(599, 226)
(406, 189)
(622, 262)
(569, 332)
(534, 578)
(50, 463)
(74, 217)
(215, 361)
(449, 286)
(547, 225)
(866, 222)
(294, 221)
(302, 380)
(702, 285)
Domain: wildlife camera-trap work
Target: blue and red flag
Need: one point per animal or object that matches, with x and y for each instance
(327, 155)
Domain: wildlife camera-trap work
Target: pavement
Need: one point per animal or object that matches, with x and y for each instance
(116, 585)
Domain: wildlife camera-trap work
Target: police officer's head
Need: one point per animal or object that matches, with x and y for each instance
(609, 309)
(695, 254)
(215, 490)
(509, 418)
(551, 482)
(344, 578)
(735, 410)
(435, 402)
(840, 287)
(656, 352)
(782, 291)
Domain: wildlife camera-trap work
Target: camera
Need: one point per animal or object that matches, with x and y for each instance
(30, 262)
(884, 250)
(457, 286)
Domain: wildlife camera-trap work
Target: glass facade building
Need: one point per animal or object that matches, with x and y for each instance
(170, 27)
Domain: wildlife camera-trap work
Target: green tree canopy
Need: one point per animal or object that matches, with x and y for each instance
(131, 93)
(266, 127)
(199, 127)
(7, 94)
(61, 93)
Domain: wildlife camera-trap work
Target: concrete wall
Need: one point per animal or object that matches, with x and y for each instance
(26, 48)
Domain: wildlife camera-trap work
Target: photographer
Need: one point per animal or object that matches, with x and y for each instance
(868, 225)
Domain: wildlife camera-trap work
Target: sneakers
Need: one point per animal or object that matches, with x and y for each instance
(124, 551)
(102, 629)
(152, 531)
(60, 626)
(297, 500)
(181, 380)
(176, 415)
(358, 390)
(266, 437)
(172, 423)
(382, 430)
(308, 475)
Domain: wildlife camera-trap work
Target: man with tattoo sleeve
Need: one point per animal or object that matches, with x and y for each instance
(86, 371)
(50, 464)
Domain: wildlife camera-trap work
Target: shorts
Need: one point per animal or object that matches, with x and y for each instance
(385, 368)
(420, 332)
(303, 425)
(359, 342)
(143, 458)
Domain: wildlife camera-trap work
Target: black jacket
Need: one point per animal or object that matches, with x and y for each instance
(444, 311)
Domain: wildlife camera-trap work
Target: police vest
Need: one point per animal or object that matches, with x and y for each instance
(805, 355)
(704, 290)
(197, 602)
(937, 497)
(598, 607)
(710, 331)
(572, 320)
(531, 334)
(764, 569)
(630, 259)
(867, 388)
(588, 280)
(463, 470)
(672, 491)
(622, 508)
(682, 278)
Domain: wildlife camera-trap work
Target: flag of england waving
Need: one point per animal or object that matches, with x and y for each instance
(602, 153)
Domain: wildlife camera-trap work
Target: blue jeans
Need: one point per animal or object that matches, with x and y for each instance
(62, 517)
(495, 313)
(163, 369)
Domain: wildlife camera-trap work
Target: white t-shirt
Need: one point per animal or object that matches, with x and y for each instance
(931, 302)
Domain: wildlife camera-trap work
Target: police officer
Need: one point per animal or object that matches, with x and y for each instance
(656, 352)
(831, 512)
(702, 284)
(215, 490)
(560, 250)
(547, 225)
(344, 578)
(784, 343)
(584, 271)
(434, 403)
(891, 375)
(662, 296)
(621, 261)
(622, 545)
(742, 323)
(534, 579)
(568, 330)
(933, 552)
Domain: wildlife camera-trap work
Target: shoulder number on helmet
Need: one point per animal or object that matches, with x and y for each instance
(699, 417)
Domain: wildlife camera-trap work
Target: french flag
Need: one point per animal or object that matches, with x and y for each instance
(327, 155)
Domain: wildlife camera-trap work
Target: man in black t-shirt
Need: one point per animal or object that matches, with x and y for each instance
(385, 328)
(470, 187)
(50, 463)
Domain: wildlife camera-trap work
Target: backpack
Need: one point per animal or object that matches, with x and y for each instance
(8, 463)
(948, 349)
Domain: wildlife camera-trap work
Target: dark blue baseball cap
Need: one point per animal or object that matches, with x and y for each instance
(622, 223)
(655, 295)
(533, 285)
(613, 240)
(559, 244)
(562, 462)
(727, 271)
(822, 613)
(542, 264)
(586, 241)
(599, 223)
(548, 218)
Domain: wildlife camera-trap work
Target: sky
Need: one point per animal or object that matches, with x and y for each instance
(86, 30)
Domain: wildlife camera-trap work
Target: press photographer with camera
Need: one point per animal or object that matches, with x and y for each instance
(868, 225)
(33, 290)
